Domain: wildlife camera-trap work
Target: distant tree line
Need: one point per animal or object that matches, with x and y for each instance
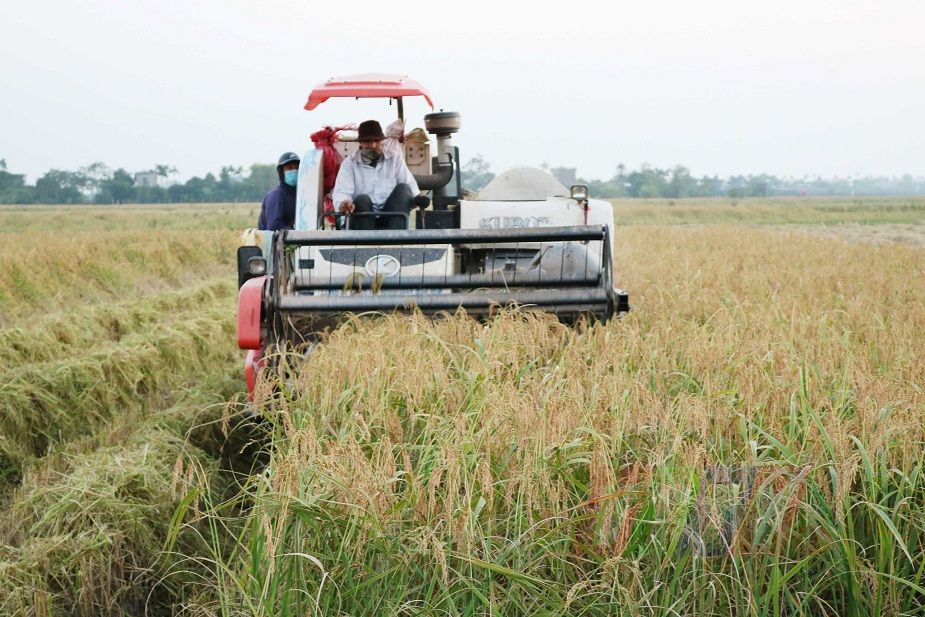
(677, 182)
(98, 183)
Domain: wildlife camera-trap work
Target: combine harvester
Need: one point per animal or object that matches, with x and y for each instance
(525, 240)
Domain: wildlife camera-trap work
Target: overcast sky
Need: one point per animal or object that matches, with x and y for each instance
(829, 87)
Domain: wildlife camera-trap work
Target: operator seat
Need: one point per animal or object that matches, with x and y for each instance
(415, 149)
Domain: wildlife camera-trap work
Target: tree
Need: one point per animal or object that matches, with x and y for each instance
(10, 181)
(13, 189)
(60, 187)
(178, 193)
(682, 184)
(476, 173)
(604, 188)
(254, 186)
(92, 177)
(148, 194)
(230, 172)
(204, 189)
(164, 171)
(263, 176)
(709, 186)
(118, 188)
(759, 186)
(647, 182)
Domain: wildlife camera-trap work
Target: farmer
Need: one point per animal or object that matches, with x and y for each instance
(373, 181)
(278, 208)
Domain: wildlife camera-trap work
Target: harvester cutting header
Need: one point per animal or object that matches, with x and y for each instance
(524, 240)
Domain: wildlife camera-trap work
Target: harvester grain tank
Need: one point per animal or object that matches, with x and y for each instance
(525, 240)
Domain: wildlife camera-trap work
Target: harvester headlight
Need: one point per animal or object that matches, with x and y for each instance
(579, 192)
(257, 266)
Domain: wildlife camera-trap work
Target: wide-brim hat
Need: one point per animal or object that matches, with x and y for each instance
(370, 130)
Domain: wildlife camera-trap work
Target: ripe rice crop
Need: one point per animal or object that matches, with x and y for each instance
(818, 211)
(41, 271)
(76, 332)
(749, 440)
(179, 218)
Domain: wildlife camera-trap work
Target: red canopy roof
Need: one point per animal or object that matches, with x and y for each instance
(369, 85)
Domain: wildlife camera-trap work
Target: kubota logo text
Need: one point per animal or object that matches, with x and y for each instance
(512, 222)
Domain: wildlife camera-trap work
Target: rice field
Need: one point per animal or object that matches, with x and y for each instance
(747, 441)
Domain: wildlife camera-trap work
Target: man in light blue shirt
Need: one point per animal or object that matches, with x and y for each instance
(374, 183)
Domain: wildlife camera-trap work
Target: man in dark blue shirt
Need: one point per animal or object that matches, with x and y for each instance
(278, 208)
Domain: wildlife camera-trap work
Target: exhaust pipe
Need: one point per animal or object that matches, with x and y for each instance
(430, 182)
(442, 124)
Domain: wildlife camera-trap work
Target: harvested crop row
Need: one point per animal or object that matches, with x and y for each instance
(85, 533)
(87, 327)
(748, 441)
(41, 404)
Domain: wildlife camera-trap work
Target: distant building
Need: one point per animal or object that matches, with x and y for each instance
(145, 178)
(565, 175)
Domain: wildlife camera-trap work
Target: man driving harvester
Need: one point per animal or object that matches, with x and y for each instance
(374, 184)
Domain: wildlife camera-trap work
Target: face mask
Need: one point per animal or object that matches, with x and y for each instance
(291, 177)
(370, 155)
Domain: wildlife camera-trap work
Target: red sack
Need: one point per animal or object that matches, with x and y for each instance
(330, 162)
